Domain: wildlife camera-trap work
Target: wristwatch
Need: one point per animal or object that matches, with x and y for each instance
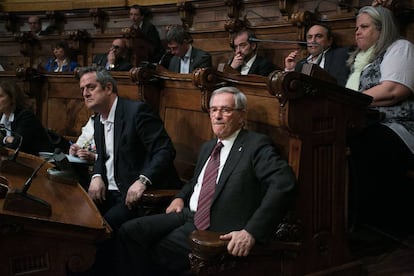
(144, 180)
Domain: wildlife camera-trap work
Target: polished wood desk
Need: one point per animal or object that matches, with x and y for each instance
(48, 245)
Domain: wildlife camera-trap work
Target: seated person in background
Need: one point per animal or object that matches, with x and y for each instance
(134, 153)
(61, 62)
(139, 17)
(254, 188)
(382, 67)
(35, 25)
(117, 59)
(85, 147)
(20, 123)
(186, 57)
(245, 59)
(322, 52)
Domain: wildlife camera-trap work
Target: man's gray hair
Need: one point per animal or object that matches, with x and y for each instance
(103, 76)
(240, 100)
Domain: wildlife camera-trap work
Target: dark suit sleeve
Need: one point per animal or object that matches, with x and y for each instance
(277, 179)
(262, 66)
(335, 64)
(99, 165)
(160, 150)
(201, 59)
(34, 135)
(122, 65)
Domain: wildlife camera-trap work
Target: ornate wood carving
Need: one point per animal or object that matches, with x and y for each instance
(302, 20)
(141, 76)
(205, 79)
(11, 22)
(79, 43)
(234, 8)
(186, 12)
(286, 7)
(57, 21)
(99, 18)
(28, 43)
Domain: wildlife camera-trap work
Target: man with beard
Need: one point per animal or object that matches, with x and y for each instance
(245, 59)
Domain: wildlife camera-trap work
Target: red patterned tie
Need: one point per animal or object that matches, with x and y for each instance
(202, 215)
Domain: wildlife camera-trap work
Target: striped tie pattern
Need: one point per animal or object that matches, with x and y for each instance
(202, 215)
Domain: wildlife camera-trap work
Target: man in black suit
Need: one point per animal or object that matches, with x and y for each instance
(117, 58)
(134, 153)
(323, 53)
(245, 59)
(253, 190)
(186, 57)
(140, 21)
(35, 25)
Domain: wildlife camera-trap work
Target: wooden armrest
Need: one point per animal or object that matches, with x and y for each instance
(209, 254)
(207, 243)
(158, 196)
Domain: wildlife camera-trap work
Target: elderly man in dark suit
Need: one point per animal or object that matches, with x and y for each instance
(323, 53)
(251, 189)
(245, 59)
(117, 58)
(134, 152)
(186, 57)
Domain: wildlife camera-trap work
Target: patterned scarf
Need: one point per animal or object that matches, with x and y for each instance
(361, 60)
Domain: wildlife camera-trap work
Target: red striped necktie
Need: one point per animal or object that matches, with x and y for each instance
(202, 215)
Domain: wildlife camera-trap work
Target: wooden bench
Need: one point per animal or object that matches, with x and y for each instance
(309, 119)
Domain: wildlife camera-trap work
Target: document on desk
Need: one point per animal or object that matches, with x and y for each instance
(75, 159)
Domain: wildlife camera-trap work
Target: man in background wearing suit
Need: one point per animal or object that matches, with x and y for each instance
(245, 59)
(186, 57)
(35, 25)
(140, 21)
(134, 153)
(117, 58)
(323, 53)
(252, 189)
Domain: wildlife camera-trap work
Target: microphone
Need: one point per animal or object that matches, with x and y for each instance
(29, 180)
(252, 39)
(20, 201)
(165, 57)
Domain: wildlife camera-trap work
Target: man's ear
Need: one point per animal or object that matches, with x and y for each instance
(109, 88)
(254, 45)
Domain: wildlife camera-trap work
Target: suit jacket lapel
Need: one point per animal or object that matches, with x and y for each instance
(328, 60)
(118, 126)
(232, 160)
(193, 59)
(204, 155)
(254, 65)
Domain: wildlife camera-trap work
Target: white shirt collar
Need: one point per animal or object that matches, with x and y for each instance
(246, 67)
(111, 115)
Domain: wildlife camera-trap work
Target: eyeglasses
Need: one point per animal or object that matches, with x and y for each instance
(116, 47)
(224, 110)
